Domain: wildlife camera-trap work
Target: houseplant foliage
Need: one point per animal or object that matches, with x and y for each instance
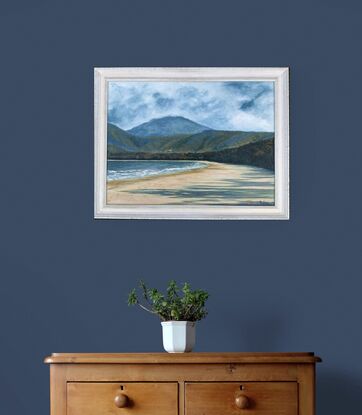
(178, 304)
(179, 308)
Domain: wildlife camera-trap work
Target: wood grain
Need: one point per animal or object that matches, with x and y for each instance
(268, 372)
(58, 391)
(186, 384)
(270, 398)
(306, 379)
(143, 398)
(180, 358)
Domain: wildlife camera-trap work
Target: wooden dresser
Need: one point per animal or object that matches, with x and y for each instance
(182, 384)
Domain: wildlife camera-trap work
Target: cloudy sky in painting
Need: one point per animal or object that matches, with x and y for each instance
(245, 106)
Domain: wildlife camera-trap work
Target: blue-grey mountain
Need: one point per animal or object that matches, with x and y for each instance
(167, 126)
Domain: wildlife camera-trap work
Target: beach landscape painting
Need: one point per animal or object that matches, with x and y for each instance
(176, 146)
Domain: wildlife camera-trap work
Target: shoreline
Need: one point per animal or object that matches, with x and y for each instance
(214, 184)
(196, 169)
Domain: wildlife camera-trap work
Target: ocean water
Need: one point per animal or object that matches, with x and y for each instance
(135, 169)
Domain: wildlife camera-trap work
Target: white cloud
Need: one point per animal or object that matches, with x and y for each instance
(220, 105)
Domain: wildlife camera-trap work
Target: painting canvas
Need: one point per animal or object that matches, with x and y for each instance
(189, 143)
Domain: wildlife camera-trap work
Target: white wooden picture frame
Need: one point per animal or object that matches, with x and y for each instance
(280, 208)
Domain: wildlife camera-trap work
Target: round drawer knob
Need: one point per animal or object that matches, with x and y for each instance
(242, 402)
(121, 400)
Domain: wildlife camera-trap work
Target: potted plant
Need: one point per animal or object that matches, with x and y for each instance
(178, 309)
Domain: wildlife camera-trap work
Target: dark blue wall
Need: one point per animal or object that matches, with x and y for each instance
(275, 286)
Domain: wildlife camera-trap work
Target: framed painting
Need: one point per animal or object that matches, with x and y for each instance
(192, 143)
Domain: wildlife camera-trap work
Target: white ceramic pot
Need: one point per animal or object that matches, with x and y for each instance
(178, 336)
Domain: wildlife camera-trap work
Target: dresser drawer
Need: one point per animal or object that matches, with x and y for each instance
(122, 398)
(259, 398)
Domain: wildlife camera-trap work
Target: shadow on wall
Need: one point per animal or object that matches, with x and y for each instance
(338, 393)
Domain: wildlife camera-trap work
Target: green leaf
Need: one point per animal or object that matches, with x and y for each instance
(132, 297)
(177, 304)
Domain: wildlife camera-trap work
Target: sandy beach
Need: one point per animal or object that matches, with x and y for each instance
(216, 184)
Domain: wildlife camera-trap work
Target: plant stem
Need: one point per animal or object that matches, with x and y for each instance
(188, 311)
(146, 309)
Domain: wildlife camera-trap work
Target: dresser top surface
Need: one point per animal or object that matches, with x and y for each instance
(181, 358)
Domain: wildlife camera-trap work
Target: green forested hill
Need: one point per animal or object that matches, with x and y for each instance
(211, 140)
(239, 147)
(260, 154)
